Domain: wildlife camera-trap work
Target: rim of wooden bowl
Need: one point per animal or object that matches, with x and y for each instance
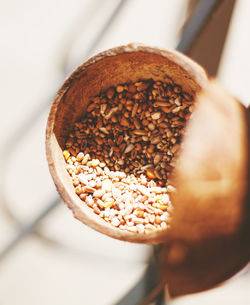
(187, 72)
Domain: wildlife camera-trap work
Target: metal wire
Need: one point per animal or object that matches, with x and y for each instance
(100, 34)
(196, 24)
(28, 228)
(14, 140)
(148, 288)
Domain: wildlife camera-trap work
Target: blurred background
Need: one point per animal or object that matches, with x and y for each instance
(63, 261)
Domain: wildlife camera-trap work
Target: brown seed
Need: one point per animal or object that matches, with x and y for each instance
(120, 139)
(137, 123)
(110, 93)
(157, 158)
(117, 167)
(155, 140)
(122, 146)
(133, 156)
(175, 148)
(104, 130)
(159, 145)
(140, 132)
(176, 109)
(177, 102)
(103, 109)
(173, 140)
(132, 88)
(119, 89)
(138, 146)
(163, 125)
(120, 106)
(160, 104)
(151, 148)
(129, 148)
(155, 115)
(145, 122)
(91, 107)
(134, 110)
(177, 89)
(151, 173)
(111, 112)
(151, 126)
(129, 108)
(125, 122)
(167, 109)
(69, 142)
(158, 175)
(126, 114)
(72, 152)
(99, 140)
(120, 162)
(129, 103)
(141, 86)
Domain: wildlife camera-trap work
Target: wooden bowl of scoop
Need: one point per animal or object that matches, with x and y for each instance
(210, 177)
(115, 66)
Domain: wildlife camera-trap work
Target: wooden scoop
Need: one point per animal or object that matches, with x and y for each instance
(209, 236)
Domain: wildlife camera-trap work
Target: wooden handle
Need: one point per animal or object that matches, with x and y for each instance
(210, 228)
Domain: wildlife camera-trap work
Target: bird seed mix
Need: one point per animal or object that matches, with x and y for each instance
(120, 154)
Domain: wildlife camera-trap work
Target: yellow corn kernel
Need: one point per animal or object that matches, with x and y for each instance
(66, 154)
(108, 204)
(159, 198)
(163, 207)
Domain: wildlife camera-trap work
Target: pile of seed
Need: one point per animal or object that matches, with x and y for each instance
(120, 154)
